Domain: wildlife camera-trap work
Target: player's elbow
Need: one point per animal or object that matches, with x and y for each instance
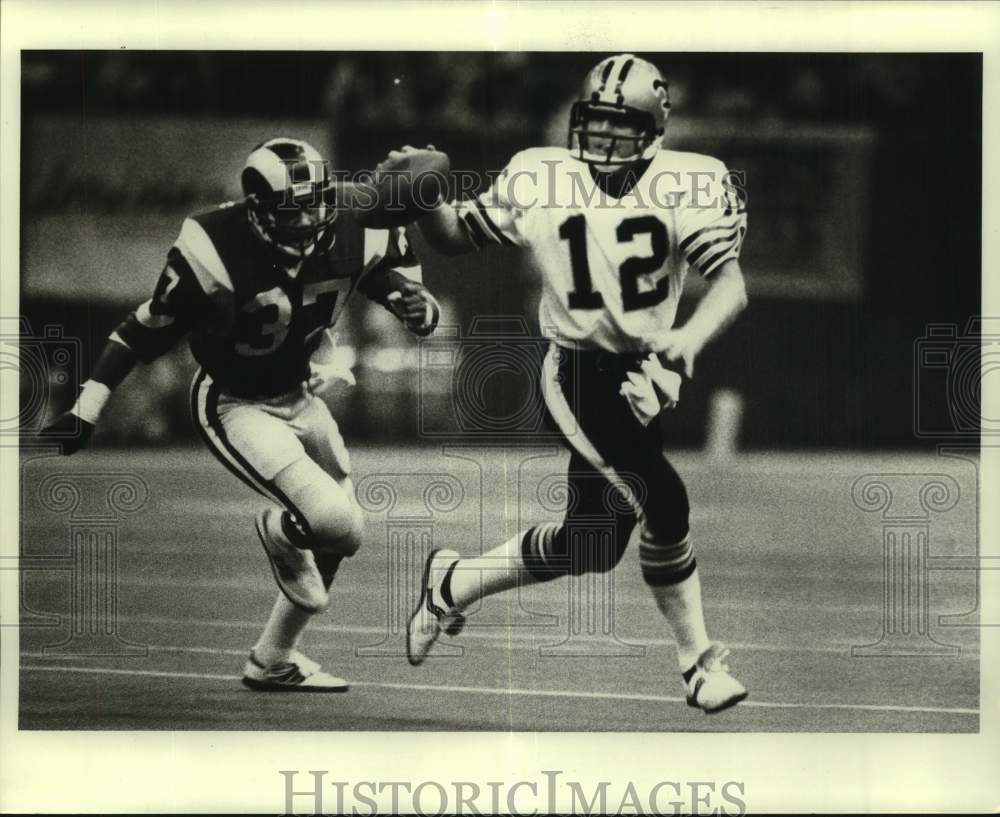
(736, 284)
(741, 297)
(443, 232)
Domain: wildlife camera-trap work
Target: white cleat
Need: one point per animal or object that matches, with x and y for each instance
(428, 619)
(294, 569)
(711, 688)
(297, 674)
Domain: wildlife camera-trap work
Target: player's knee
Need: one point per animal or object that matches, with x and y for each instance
(665, 561)
(326, 510)
(336, 525)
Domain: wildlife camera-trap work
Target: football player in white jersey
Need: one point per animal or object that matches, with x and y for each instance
(613, 223)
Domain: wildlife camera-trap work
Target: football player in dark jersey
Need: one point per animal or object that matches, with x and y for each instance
(256, 286)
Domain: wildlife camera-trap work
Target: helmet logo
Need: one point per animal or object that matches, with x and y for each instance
(289, 195)
(607, 73)
(621, 123)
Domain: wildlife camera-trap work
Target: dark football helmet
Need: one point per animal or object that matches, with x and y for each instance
(621, 115)
(290, 199)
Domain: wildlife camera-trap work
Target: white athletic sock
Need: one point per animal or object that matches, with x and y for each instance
(281, 633)
(681, 605)
(495, 571)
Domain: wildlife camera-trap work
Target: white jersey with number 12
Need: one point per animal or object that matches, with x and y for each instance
(612, 269)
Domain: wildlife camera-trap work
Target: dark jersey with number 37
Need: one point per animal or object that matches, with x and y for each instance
(253, 324)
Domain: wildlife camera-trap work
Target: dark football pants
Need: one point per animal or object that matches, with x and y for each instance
(609, 447)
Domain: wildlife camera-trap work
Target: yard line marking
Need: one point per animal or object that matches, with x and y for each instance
(147, 673)
(516, 692)
(528, 638)
(42, 573)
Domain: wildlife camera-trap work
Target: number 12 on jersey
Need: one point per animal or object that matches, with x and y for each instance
(583, 295)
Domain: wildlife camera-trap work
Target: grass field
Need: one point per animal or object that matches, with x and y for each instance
(792, 571)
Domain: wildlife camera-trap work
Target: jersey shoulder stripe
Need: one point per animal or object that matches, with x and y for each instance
(474, 231)
(491, 225)
(197, 248)
(729, 239)
(707, 233)
(709, 265)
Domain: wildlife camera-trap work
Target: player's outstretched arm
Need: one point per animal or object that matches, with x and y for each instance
(115, 363)
(441, 225)
(148, 332)
(724, 300)
(442, 229)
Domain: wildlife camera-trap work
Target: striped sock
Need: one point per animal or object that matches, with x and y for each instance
(665, 564)
(538, 552)
(681, 606)
(502, 568)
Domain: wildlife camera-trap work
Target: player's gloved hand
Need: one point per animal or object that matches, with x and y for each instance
(71, 432)
(650, 391)
(327, 368)
(681, 345)
(73, 429)
(415, 307)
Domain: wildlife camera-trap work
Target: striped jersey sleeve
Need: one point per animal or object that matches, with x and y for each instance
(496, 217)
(389, 260)
(714, 223)
(181, 299)
(391, 249)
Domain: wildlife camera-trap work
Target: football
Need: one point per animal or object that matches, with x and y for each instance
(402, 188)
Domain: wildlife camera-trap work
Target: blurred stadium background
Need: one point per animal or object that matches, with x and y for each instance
(863, 173)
